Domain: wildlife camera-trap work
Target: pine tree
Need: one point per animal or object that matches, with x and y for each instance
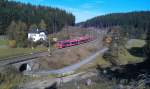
(31, 14)
(11, 30)
(33, 26)
(148, 43)
(42, 25)
(117, 46)
(21, 34)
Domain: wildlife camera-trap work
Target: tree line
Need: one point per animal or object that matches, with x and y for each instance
(32, 15)
(135, 23)
(148, 44)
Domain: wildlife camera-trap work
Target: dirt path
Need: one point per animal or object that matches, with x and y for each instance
(68, 69)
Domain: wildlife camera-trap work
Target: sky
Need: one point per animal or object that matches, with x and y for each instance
(86, 9)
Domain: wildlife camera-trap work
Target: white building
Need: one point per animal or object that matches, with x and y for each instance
(37, 34)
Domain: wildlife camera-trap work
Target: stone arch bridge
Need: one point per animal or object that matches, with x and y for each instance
(24, 63)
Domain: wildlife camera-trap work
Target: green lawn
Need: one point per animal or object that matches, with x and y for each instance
(9, 52)
(135, 43)
(126, 57)
(3, 42)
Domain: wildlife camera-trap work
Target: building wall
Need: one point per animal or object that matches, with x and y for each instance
(35, 37)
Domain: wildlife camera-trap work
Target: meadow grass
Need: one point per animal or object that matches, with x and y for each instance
(10, 78)
(3, 42)
(126, 58)
(11, 52)
(135, 43)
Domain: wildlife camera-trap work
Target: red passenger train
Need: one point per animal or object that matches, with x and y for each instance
(73, 42)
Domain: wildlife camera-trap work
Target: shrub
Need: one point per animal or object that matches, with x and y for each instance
(36, 44)
(10, 78)
(12, 44)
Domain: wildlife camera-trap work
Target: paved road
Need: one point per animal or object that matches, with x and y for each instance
(68, 69)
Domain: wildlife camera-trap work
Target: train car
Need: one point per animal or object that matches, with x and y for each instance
(73, 42)
(83, 40)
(68, 43)
(63, 44)
(59, 44)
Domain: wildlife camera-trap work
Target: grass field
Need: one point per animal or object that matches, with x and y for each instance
(11, 79)
(9, 52)
(135, 43)
(3, 42)
(124, 57)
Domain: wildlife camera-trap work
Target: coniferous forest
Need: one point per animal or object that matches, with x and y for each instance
(32, 15)
(135, 23)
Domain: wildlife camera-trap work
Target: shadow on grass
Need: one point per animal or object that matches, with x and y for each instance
(129, 72)
(137, 51)
(53, 86)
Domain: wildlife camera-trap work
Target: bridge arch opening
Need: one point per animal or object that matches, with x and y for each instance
(24, 67)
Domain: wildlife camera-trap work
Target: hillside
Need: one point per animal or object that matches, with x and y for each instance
(136, 23)
(30, 14)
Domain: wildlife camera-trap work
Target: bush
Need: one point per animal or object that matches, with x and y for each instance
(38, 43)
(10, 78)
(12, 44)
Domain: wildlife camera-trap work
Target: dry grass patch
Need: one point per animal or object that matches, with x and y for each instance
(67, 56)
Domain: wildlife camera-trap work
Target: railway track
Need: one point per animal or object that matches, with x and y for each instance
(13, 60)
(26, 57)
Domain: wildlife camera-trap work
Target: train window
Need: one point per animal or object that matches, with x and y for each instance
(65, 43)
(74, 42)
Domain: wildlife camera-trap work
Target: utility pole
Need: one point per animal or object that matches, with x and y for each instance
(53, 33)
(49, 49)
